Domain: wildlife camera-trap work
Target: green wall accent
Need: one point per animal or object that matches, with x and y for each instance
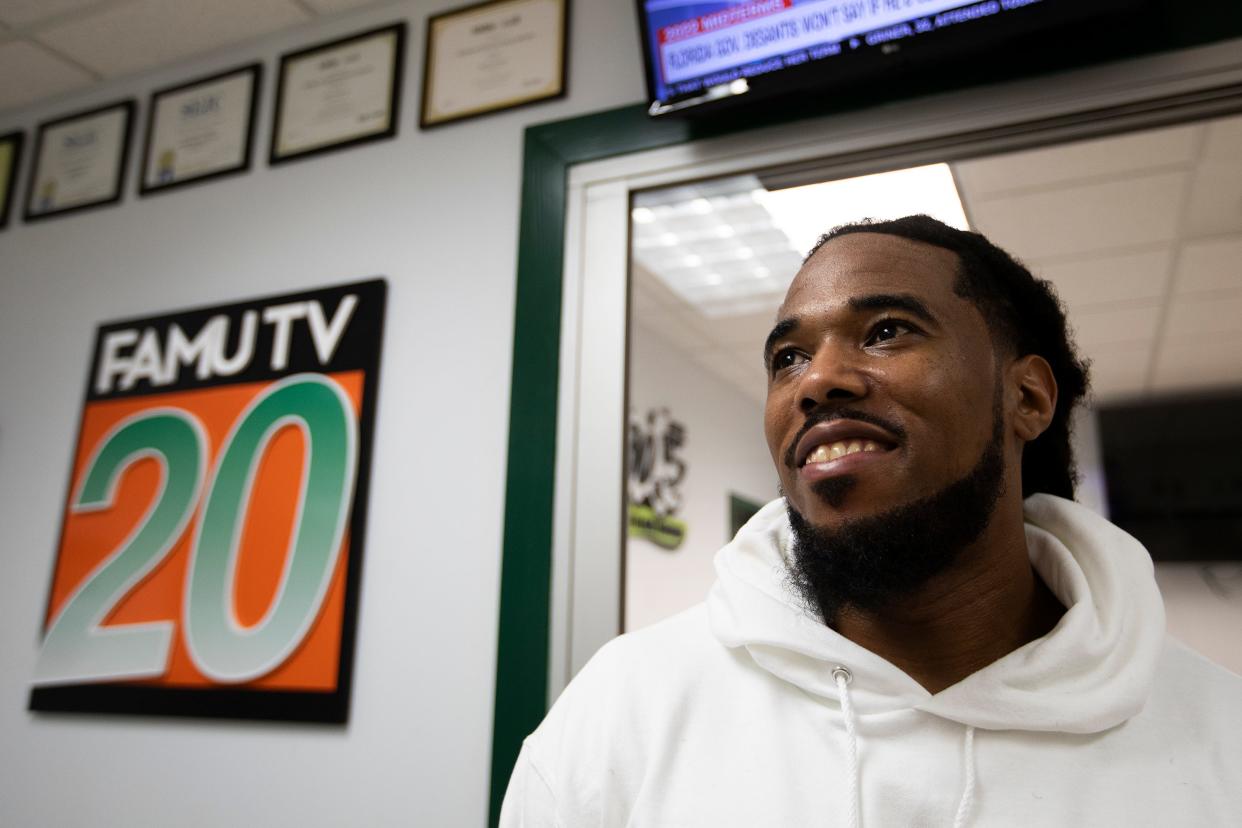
(550, 150)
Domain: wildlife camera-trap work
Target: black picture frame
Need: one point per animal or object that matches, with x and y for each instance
(428, 51)
(17, 140)
(255, 70)
(129, 106)
(394, 94)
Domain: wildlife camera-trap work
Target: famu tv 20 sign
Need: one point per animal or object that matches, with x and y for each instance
(212, 539)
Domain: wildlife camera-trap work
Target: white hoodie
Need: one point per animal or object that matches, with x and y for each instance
(730, 714)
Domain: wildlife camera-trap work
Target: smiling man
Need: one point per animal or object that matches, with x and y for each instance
(925, 629)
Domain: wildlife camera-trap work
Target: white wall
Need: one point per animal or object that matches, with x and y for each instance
(437, 214)
(1203, 603)
(724, 452)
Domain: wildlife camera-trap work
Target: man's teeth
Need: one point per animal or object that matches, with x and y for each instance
(831, 451)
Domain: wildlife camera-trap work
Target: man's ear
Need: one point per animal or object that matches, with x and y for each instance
(1034, 391)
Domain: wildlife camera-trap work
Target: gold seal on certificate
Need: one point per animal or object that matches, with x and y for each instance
(10, 152)
(200, 130)
(338, 94)
(79, 161)
(493, 56)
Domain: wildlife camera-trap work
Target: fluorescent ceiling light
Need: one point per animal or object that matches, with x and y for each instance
(804, 213)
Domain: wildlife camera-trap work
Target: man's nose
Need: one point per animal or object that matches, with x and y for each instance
(834, 373)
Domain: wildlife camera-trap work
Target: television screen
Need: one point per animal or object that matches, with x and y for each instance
(697, 52)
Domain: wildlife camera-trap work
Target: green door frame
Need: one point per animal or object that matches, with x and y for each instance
(550, 150)
(526, 567)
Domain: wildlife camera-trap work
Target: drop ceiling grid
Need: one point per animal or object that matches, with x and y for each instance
(39, 74)
(1202, 339)
(1083, 218)
(1168, 327)
(54, 47)
(1080, 162)
(119, 40)
(1088, 281)
(1073, 213)
(29, 14)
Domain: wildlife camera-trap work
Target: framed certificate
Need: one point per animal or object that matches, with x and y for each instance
(338, 94)
(200, 130)
(79, 161)
(492, 56)
(10, 154)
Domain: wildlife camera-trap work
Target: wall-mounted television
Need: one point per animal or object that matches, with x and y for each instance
(700, 55)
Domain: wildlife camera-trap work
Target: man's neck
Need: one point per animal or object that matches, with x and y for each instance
(986, 606)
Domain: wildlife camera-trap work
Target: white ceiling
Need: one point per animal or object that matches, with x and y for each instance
(1141, 234)
(53, 47)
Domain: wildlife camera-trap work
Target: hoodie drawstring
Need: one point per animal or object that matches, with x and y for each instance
(968, 787)
(843, 677)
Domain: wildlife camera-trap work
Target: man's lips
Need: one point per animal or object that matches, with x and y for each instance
(844, 431)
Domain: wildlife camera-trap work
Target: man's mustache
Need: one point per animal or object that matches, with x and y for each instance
(827, 415)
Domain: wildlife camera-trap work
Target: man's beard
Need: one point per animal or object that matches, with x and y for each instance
(868, 562)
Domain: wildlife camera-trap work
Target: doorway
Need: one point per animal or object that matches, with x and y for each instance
(1138, 232)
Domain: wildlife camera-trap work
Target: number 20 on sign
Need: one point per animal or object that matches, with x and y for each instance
(211, 543)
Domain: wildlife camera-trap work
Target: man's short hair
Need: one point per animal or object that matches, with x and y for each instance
(1025, 317)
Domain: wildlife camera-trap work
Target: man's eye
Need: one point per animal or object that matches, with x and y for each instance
(886, 330)
(785, 359)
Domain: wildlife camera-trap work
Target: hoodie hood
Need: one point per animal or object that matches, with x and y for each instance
(1093, 671)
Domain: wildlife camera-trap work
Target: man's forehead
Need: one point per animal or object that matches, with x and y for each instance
(858, 263)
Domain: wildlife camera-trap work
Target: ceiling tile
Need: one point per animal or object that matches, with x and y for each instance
(1095, 280)
(1189, 365)
(1114, 325)
(1212, 264)
(1107, 386)
(1067, 163)
(42, 74)
(1119, 369)
(1224, 139)
(18, 13)
(144, 33)
(1074, 220)
(692, 226)
(1215, 204)
(1203, 318)
(335, 6)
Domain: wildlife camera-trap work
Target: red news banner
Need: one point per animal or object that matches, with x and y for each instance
(211, 544)
(722, 19)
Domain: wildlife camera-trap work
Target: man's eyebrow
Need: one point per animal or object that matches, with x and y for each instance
(893, 301)
(781, 328)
